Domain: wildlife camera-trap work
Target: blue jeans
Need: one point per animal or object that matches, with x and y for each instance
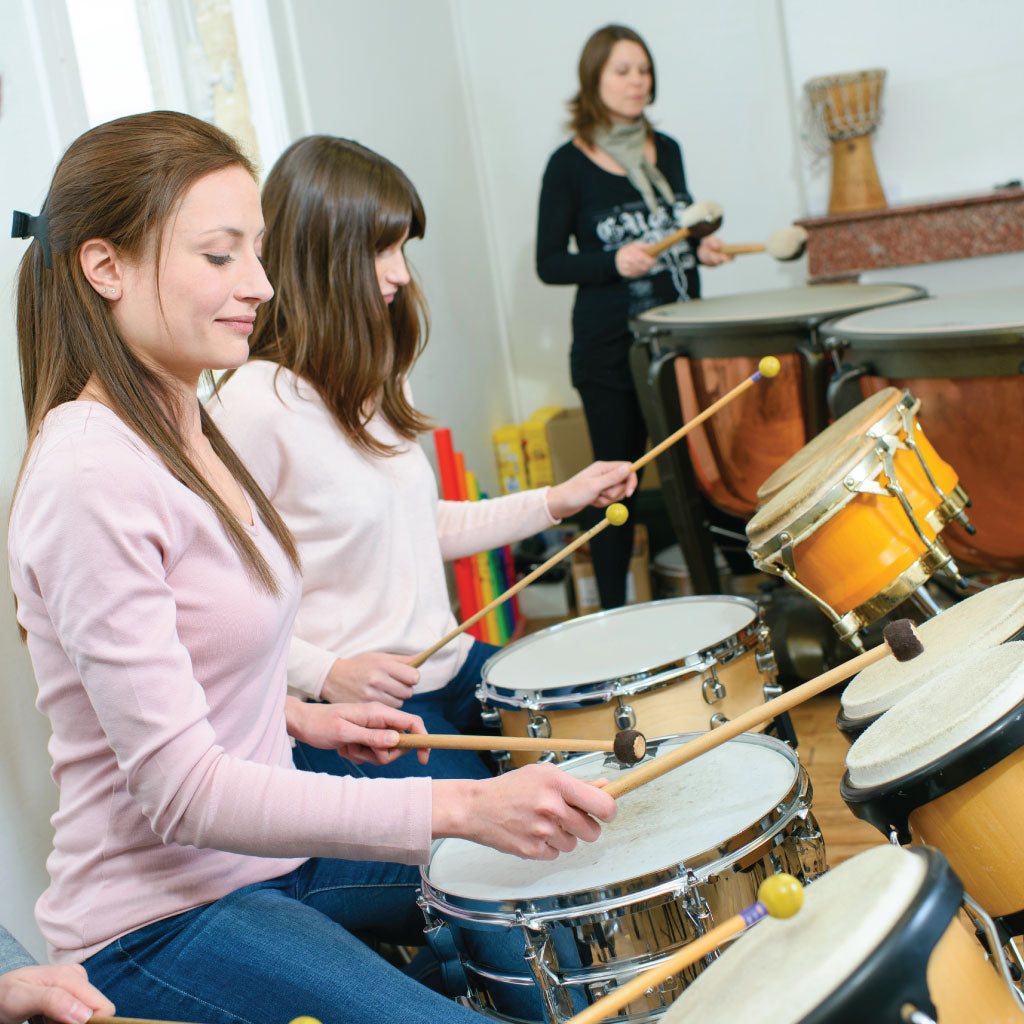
(453, 708)
(279, 949)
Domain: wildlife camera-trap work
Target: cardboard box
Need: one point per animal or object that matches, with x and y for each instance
(638, 582)
(535, 446)
(508, 450)
(571, 450)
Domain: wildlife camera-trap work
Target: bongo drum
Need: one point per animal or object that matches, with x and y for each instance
(848, 109)
(961, 355)
(945, 767)
(988, 618)
(877, 939)
(685, 852)
(683, 664)
(857, 532)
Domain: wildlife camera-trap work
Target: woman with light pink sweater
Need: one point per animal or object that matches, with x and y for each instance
(157, 587)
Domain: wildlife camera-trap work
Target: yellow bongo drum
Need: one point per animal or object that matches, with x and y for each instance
(878, 939)
(945, 767)
(857, 532)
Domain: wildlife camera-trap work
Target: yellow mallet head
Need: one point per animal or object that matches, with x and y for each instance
(769, 366)
(305, 1020)
(781, 894)
(616, 513)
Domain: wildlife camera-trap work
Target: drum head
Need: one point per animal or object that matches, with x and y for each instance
(982, 621)
(781, 970)
(854, 423)
(618, 644)
(673, 820)
(939, 716)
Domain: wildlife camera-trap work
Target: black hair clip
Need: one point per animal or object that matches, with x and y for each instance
(26, 226)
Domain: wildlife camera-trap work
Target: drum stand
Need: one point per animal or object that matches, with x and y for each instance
(999, 945)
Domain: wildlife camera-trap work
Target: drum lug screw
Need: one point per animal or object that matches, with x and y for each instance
(771, 691)
(625, 717)
(718, 719)
(490, 718)
(539, 727)
(765, 662)
(712, 690)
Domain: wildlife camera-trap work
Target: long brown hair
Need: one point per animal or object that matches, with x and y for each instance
(586, 110)
(122, 181)
(331, 205)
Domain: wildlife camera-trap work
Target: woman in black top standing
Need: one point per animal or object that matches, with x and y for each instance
(615, 187)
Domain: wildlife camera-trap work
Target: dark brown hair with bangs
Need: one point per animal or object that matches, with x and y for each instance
(331, 205)
(586, 111)
(123, 181)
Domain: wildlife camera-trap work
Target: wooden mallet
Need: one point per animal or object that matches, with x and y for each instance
(699, 220)
(614, 515)
(784, 245)
(97, 1019)
(901, 641)
(629, 746)
(779, 895)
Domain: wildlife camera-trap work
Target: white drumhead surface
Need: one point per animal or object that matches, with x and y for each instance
(679, 815)
(610, 645)
(982, 621)
(991, 310)
(779, 304)
(782, 969)
(937, 718)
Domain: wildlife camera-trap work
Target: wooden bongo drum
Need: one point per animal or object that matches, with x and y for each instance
(984, 620)
(687, 355)
(945, 767)
(848, 108)
(961, 355)
(877, 938)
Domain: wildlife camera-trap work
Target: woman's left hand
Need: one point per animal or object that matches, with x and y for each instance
(599, 485)
(709, 252)
(360, 732)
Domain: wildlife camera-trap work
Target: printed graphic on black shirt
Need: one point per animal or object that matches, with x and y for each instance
(633, 222)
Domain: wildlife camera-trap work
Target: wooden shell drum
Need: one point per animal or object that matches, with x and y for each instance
(877, 938)
(685, 664)
(988, 618)
(848, 108)
(945, 767)
(685, 852)
(961, 355)
(857, 532)
(711, 345)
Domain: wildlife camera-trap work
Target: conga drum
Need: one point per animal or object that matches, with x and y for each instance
(984, 620)
(945, 767)
(877, 941)
(686, 851)
(961, 355)
(687, 355)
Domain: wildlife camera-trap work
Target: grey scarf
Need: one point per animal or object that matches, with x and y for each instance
(625, 143)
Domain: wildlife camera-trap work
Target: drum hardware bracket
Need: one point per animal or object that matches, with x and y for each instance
(557, 1003)
(712, 688)
(996, 947)
(766, 663)
(717, 720)
(910, 1014)
(539, 727)
(490, 717)
(625, 716)
(772, 690)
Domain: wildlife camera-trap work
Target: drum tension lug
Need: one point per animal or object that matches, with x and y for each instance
(718, 719)
(712, 688)
(625, 716)
(539, 727)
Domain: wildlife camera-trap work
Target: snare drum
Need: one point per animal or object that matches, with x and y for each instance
(877, 938)
(982, 621)
(945, 767)
(962, 356)
(684, 664)
(857, 532)
(685, 852)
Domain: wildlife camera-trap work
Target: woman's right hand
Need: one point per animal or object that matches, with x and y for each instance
(61, 993)
(633, 260)
(388, 678)
(535, 812)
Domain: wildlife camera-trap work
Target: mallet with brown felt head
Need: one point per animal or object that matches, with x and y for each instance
(699, 220)
(629, 746)
(901, 641)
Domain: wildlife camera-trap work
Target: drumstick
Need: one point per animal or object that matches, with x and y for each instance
(615, 514)
(780, 895)
(699, 220)
(96, 1019)
(784, 244)
(629, 746)
(901, 640)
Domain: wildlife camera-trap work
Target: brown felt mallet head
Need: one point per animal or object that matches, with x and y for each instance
(902, 639)
(629, 746)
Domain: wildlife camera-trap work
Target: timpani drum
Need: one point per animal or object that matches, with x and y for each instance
(984, 620)
(678, 665)
(857, 532)
(962, 356)
(685, 852)
(877, 940)
(945, 767)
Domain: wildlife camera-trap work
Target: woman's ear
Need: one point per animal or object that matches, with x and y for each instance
(102, 267)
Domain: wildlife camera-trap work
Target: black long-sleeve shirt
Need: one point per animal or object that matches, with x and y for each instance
(604, 211)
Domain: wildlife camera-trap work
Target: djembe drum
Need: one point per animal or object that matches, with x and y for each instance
(848, 108)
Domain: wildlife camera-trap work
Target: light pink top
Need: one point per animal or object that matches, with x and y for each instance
(162, 669)
(371, 532)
